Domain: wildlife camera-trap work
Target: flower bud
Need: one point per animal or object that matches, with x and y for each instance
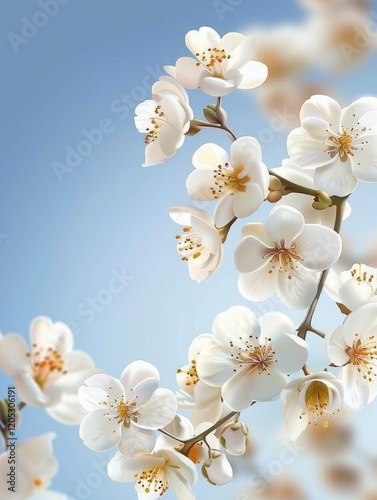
(275, 183)
(194, 128)
(274, 196)
(234, 438)
(210, 114)
(217, 470)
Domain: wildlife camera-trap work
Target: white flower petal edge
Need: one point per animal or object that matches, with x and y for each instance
(354, 346)
(283, 255)
(200, 244)
(311, 400)
(50, 373)
(339, 143)
(120, 411)
(240, 181)
(251, 362)
(221, 65)
(164, 119)
(36, 466)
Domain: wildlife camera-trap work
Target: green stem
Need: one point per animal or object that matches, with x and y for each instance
(306, 323)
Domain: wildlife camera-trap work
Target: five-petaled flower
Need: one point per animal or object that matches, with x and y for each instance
(48, 375)
(239, 182)
(341, 144)
(221, 65)
(282, 256)
(311, 400)
(200, 244)
(354, 347)
(251, 359)
(125, 412)
(164, 119)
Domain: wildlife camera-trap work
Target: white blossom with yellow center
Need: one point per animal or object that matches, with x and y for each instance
(49, 374)
(353, 346)
(250, 359)
(238, 181)
(340, 144)
(311, 400)
(282, 256)
(221, 65)
(125, 412)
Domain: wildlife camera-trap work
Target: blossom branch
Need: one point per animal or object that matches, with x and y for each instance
(306, 323)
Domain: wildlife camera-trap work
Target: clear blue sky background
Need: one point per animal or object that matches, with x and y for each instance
(64, 240)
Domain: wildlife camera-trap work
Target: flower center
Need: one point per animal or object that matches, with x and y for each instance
(226, 181)
(127, 412)
(361, 276)
(47, 365)
(255, 357)
(317, 401)
(156, 120)
(192, 377)
(283, 259)
(212, 60)
(342, 144)
(363, 355)
(154, 480)
(189, 245)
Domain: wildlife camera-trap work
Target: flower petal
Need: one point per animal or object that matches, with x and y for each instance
(137, 372)
(44, 332)
(136, 441)
(336, 347)
(216, 87)
(13, 350)
(258, 285)
(100, 430)
(291, 353)
(305, 151)
(235, 326)
(248, 202)
(159, 411)
(224, 211)
(284, 225)
(249, 255)
(253, 73)
(215, 365)
(336, 178)
(319, 247)
(296, 289)
(97, 388)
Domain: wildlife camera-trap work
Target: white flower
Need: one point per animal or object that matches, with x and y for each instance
(222, 64)
(354, 347)
(204, 400)
(165, 119)
(155, 473)
(49, 375)
(303, 202)
(217, 469)
(233, 436)
(200, 245)
(123, 412)
(250, 359)
(339, 143)
(311, 400)
(239, 182)
(34, 468)
(354, 287)
(281, 255)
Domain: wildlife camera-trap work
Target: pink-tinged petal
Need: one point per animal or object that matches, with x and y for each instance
(154, 154)
(337, 178)
(357, 389)
(297, 287)
(217, 87)
(236, 326)
(135, 441)
(136, 372)
(253, 74)
(13, 350)
(159, 411)
(275, 323)
(323, 107)
(189, 73)
(291, 352)
(250, 254)
(248, 202)
(285, 224)
(258, 285)
(208, 404)
(336, 347)
(361, 113)
(123, 470)
(44, 332)
(355, 293)
(100, 430)
(364, 161)
(305, 151)
(319, 247)
(215, 366)
(362, 321)
(246, 387)
(224, 211)
(209, 156)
